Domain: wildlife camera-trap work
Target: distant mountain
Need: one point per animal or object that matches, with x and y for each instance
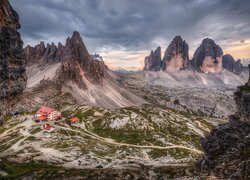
(175, 58)
(12, 58)
(208, 58)
(75, 71)
(153, 62)
(126, 70)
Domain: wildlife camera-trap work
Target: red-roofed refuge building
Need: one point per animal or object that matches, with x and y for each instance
(48, 113)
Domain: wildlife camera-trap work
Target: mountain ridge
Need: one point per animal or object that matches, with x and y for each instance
(87, 79)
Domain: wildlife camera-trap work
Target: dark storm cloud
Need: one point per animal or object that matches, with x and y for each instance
(134, 24)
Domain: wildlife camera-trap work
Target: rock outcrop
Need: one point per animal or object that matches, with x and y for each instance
(176, 55)
(12, 58)
(231, 65)
(227, 147)
(208, 57)
(153, 62)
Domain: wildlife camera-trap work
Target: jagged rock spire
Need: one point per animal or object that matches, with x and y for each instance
(153, 62)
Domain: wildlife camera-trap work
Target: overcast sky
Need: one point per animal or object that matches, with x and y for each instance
(124, 31)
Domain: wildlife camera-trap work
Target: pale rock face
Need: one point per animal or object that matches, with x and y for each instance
(208, 57)
(175, 64)
(209, 66)
(176, 55)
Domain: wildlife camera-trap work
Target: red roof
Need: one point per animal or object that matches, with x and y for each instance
(44, 111)
(47, 127)
(40, 118)
(74, 119)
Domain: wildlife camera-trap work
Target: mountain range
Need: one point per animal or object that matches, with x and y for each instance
(75, 71)
(208, 58)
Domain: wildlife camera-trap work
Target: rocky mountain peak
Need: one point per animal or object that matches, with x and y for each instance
(76, 48)
(12, 58)
(177, 39)
(77, 63)
(208, 57)
(77, 37)
(176, 55)
(153, 62)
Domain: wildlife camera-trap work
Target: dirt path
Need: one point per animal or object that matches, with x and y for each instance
(27, 124)
(112, 142)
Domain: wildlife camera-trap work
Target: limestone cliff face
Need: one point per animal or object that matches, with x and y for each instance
(153, 62)
(176, 55)
(227, 147)
(12, 58)
(208, 57)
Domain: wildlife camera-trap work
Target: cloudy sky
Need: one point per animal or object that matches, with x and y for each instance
(124, 31)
